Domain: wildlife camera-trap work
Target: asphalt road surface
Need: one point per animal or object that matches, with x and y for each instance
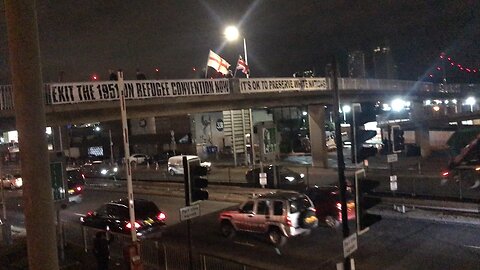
(389, 244)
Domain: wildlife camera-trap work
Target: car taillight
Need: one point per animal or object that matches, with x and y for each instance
(79, 188)
(446, 173)
(289, 221)
(339, 206)
(161, 216)
(129, 225)
(89, 213)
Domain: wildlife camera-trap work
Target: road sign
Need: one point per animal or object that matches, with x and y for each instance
(392, 158)
(263, 178)
(189, 212)
(349, 245)
(393, 182)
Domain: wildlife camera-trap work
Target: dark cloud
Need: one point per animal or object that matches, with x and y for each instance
(85, 37)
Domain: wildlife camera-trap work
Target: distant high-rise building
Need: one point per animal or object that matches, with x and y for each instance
(356, 64)
(383, 64)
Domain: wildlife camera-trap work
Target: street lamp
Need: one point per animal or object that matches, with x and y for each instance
(231, 33)
(470, 101)
(346, 109)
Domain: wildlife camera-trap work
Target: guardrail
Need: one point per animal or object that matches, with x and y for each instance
(155, 254)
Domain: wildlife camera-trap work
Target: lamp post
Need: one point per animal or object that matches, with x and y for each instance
(346, 109)
(231, 34)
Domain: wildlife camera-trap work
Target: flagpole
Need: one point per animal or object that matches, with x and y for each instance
(246, 58)
(235, 72)
(206, 66)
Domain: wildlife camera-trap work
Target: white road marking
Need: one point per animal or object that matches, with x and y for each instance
(476, 247)
(78, 214)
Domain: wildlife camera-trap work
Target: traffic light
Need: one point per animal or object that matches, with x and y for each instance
(398, 141)
(366, 201)
(360, 116)
(195, 181)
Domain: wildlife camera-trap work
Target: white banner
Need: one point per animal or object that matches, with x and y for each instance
(282, 84)
(65, 93)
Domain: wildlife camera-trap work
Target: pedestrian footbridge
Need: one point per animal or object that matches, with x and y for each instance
(78, 102)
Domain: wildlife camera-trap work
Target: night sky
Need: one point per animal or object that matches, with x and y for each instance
(81, 38)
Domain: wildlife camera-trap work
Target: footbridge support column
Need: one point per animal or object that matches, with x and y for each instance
(422, 131)
(316, 118)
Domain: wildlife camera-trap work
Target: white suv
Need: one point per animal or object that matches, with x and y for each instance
(279, 215)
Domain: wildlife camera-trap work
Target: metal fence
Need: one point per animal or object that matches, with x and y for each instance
(155, 254)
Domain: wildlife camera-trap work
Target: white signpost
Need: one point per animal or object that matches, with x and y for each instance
(189, 212)
(392, 158)
(393, 182)
(263, 179)
(349, 245)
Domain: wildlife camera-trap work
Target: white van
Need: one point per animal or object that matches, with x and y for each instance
(175, 164)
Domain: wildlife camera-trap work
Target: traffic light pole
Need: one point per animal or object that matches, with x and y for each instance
(186, 174)
(340, 158)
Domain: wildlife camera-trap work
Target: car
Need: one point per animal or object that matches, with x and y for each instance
(99, 169)
(175, 164)
(12, 181)
(287, 179)
(114, 216)
(75, 184)
(279, 215)
(138, 158)
(328, 207)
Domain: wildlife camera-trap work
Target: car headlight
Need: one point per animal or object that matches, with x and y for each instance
(290, 178)
(104, 171)
(115, 169)
(302, 175)
(19, 182)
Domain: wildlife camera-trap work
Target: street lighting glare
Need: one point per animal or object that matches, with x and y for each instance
(470, 101)
(231, 33)
(398, 105)
(346, 108)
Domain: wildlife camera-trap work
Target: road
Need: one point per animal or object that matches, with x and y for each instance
(389, 244)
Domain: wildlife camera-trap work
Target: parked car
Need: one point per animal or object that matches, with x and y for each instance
(12, 181)
(328, 207)
(138, 158)
(287, 179)
(99, 169)
(279, 215)
(175, 164)
(75, 184)
(114, 216)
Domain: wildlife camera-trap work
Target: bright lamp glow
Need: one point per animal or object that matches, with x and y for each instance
(304, 113)
(346, 108)
(398, 105)
(470, 101)
(231, 33)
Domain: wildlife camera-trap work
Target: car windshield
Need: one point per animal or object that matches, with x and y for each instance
(299, 204)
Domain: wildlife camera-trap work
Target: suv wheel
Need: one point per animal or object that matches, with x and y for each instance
(227, 229)
(276, 237)
(331, 222)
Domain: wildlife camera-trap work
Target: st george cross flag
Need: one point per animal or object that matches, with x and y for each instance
(242, 65)
(218, 63)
